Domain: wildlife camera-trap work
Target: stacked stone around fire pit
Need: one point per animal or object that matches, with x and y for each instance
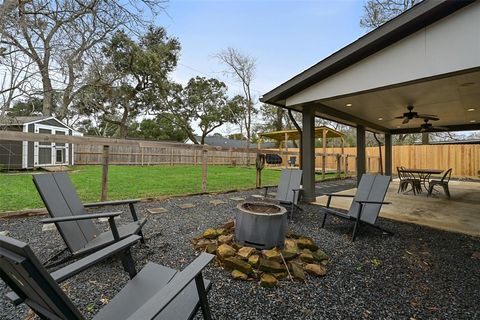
(300, 253)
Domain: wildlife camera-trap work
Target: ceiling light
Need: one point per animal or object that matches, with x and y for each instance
(472, 121)
(348, 105)
(380, 119)
(471, 109)
(398, 126)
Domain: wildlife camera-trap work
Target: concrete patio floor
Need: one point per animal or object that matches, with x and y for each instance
(459, 214)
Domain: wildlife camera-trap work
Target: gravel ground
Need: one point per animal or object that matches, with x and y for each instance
(419, 273)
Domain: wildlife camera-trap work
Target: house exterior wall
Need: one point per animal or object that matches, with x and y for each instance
(449, 45)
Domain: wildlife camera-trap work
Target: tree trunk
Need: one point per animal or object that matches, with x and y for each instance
(47, 93)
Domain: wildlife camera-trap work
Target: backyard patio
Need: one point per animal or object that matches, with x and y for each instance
(417, 273)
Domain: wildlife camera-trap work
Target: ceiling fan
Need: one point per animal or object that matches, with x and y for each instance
(407, 116)
(427, 127)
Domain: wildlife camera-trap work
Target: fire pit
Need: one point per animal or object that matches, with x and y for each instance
(261, 225)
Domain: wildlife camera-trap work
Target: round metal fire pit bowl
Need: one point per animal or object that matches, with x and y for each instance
(261, 225)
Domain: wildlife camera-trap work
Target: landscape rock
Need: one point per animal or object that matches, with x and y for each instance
(239, 275)
(210, 233)
(307, 243)
(289, 255)
(225, 238)
(315, 269)
(272, 254)
(297, 271)
(290, 245)
(237, 264)
(320, 255)
(202, 244)
(211, 248)
(225, 251)
(245, 252)
(253, 259)
(271, 266)
(229, 225)
(268, 280)
(306, 256)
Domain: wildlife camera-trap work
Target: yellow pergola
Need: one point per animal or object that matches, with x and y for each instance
(322, 132)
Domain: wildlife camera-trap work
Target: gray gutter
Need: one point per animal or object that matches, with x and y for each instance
(421, 15)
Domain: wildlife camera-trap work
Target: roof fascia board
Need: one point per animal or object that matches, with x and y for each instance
(407, 23)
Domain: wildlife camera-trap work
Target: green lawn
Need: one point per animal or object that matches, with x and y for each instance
(17, 191)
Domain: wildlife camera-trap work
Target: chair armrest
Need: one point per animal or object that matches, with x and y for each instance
(94, 258)
(163, 297)
(372, 202)
(110, 203)
(83, 264)
(338, 195)
(82, 217)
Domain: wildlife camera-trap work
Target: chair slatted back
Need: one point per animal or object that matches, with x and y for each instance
(371, 188)
(447, 175)
(25, 275)
(61, 200)
(290, 179)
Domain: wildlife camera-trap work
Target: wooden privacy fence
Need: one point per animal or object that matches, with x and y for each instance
(464, 159)
(166, 155)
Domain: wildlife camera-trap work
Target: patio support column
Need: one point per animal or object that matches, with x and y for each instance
(361, 158)
(388, 154)
(308, 154)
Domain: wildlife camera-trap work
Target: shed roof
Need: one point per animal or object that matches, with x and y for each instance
(294, 134)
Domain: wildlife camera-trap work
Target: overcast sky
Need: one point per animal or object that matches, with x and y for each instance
(285, 37)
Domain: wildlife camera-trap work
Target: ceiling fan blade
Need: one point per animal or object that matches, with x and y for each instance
(399, 117)
(405, 120)
(428, 116)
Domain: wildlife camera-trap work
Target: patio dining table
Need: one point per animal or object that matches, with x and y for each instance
(423, 174)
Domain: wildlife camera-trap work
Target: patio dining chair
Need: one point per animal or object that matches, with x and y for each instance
(73, 222)
(288, 190)
(366, 204)
(442, 183)
(156, 292)
(408, 179)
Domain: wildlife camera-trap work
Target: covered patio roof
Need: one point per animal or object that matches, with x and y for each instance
(427, 57)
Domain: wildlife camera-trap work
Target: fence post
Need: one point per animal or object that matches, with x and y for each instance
(204, 170)
(339, 165)
(141, 148)
(106, 154)
(346, 165)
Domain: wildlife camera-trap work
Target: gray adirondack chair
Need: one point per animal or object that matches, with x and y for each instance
(74, 223)
(156, 292)
(366, 203)
(288, 190)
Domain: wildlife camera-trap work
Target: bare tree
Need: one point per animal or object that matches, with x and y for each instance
(15, 76)
(59, 35)
(242, 68)
(377, 12)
